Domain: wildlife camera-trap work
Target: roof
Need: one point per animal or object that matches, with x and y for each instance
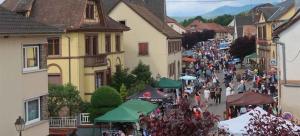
(284, 7)
(170, 20)
(109, 4)
(50, 12)
(288, 24)
(153, 20)
(12, 23)
(200, 26)
(268, 11)
(241, 21)
(248, 98)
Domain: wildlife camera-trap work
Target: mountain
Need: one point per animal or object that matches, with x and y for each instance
(228, 10)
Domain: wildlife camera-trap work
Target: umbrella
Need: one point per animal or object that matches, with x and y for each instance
(187, 59)
(150, 94)
(169, 83)
(140, 106)
(187, 77)
(119, 114)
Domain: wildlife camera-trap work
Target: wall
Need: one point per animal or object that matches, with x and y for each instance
(15, 86)
(175, 57)
(142, 31)
(290, 95)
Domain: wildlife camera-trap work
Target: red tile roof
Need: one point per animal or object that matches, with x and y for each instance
(200, 26)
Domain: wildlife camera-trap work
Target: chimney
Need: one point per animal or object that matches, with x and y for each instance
(157, 7)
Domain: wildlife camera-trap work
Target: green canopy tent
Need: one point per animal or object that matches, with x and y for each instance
(169, 83)
(119, 114)
(140, 106)
(252, 56)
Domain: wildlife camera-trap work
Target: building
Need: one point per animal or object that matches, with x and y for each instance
(289, 62)
(175, 25)
(23, 74)
(90, 50)
(243, 26)
(150, 39)
(199, 26)
(270, 19)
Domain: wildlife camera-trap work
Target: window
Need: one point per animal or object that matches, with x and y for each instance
(122, 22)
(99, 79)
(91, 45)
(264, 33)
(32, 111)
(89, 11)
(143, 49)
(53, 46)
(31, 57)
(259, 33)
(118, 43)
(108, 43)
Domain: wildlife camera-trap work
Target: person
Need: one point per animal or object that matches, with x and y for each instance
(218, 94)
(206, 94)
(198, 98)
(241, 87)
(228, 90)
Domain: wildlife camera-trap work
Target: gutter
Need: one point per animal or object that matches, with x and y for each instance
(69, 50)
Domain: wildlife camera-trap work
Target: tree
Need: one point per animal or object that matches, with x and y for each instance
(190, 39)
(142, 73)
(269, 125)
(103, 100)
(137, 87)
(242, 47)
(180, 122)
(61, 96)
(223, 20)
(122, 77)
(123, 92)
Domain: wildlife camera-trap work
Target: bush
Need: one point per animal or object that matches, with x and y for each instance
(123, 92)
(103, 100)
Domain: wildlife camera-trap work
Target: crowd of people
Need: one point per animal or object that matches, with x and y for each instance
(209, 66)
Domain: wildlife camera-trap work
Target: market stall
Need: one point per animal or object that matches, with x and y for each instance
(236, 126)
(150, 94)
(248, 98)
(166, 83)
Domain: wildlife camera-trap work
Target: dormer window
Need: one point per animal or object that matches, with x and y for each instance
(90, 10)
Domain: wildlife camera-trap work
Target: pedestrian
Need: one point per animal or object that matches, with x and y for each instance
(241, 87)
(206, 94)
(228, 90)
(218, 94)
(213, 94)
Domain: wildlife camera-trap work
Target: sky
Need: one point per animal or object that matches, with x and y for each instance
(183, 8)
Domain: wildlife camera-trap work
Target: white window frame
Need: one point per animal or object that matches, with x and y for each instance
(25, 67)
(26, 111)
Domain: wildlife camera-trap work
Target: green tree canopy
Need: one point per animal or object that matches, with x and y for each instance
(222, 20)
(122, 77)
(63, 95)
(243, 46)
(142, 73)
(123, 92)
(103, 100)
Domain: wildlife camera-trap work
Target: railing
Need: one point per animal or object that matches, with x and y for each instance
(84, 119)
(62, 122)
(95, 60)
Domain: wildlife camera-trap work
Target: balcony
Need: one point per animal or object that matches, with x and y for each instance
(95, 60)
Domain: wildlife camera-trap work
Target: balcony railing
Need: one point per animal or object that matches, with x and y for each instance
(95, 60)
(63, 122)
(70, 122)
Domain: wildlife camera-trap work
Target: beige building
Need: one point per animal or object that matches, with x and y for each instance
(23, 74)
(90, 50)
(150, 40)
(270, 18)
(175, 25)
(289, 63)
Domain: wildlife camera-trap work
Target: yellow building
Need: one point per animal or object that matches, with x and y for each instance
(150, 40)
(23, 74)
(270, 19)
(90, 50)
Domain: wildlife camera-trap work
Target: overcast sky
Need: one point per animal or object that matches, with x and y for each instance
(198, 7)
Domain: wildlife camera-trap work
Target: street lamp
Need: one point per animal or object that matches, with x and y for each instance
(20, 125)
(158, 77)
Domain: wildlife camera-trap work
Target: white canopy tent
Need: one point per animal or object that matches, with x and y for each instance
(236, 126)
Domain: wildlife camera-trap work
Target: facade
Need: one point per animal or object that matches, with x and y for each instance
(150, 40)
(198, 26)
(270, 19)
(175, 25)
(289, 62)
(90, 50)
(23, 74)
